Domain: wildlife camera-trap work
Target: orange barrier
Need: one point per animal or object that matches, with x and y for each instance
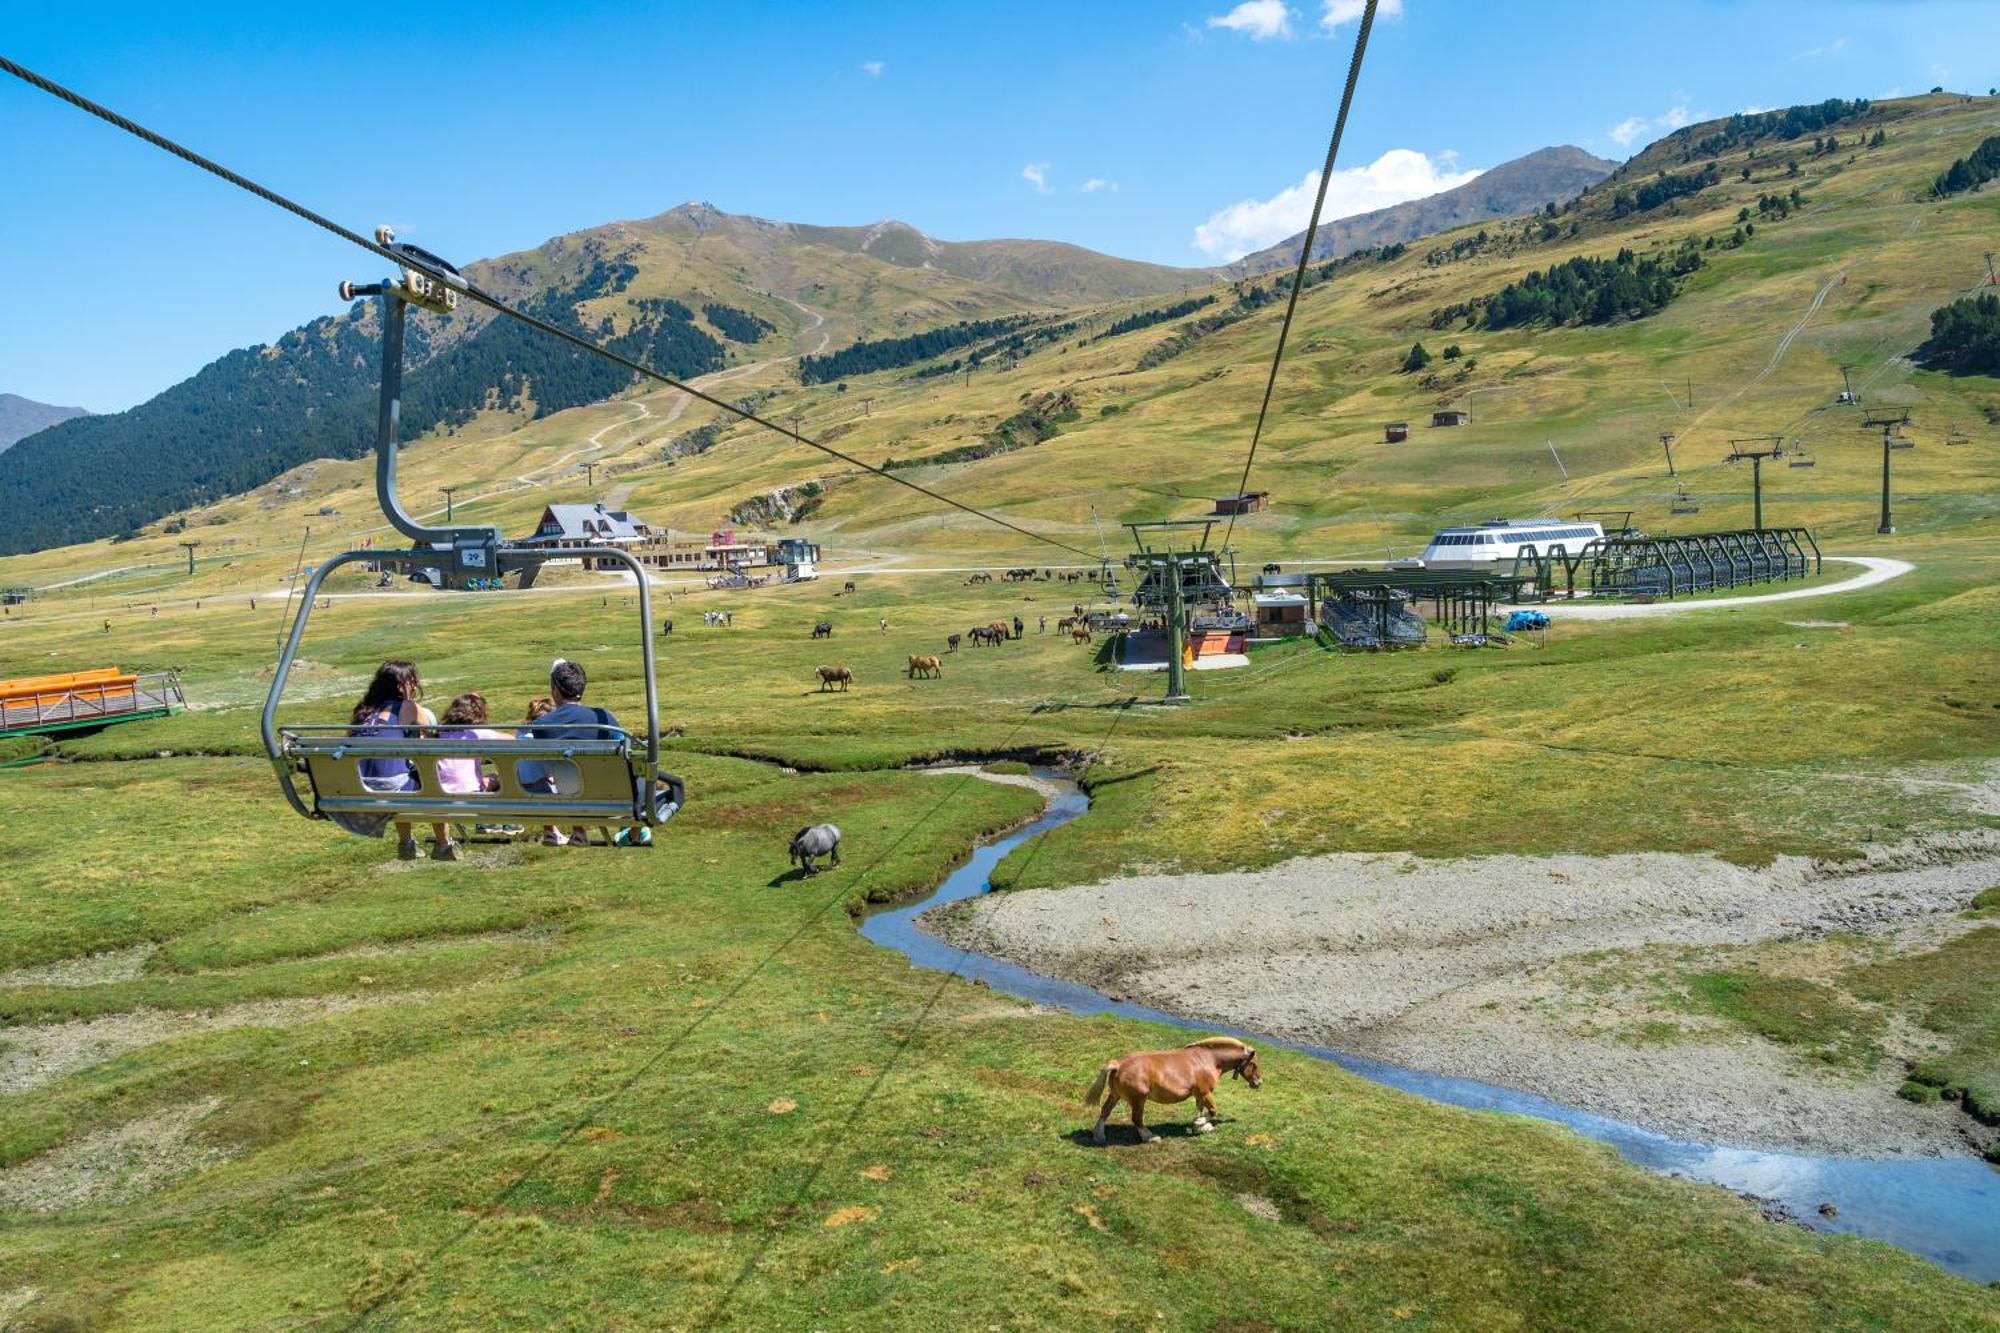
(70, 700)
(106, 683)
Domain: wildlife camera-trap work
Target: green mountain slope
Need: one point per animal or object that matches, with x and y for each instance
(689, 291)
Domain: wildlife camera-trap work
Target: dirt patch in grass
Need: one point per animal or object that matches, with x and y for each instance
(114, 1165)
(98, 969)
(37, 1054)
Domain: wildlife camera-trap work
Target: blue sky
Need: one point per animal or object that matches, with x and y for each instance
(481, 129)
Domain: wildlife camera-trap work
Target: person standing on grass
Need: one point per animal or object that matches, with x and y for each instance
(392, 706)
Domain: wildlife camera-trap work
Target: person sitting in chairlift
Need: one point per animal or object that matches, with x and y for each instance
(392, 706)
(570, 720)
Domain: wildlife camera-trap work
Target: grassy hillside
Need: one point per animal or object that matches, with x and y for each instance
(676, 1087)
(321, 1088)
(688, 292)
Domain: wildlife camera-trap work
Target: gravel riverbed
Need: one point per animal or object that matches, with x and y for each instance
(1470, 967)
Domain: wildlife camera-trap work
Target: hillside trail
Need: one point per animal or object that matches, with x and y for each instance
(674, 411)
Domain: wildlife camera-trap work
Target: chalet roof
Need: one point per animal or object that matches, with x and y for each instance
(586, 522)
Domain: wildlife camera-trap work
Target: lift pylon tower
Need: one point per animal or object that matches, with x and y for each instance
(1737, 453)
(189, 548)
(1174, 580)
(1667, 443)
(1888, 421)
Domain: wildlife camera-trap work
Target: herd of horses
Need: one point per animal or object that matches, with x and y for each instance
(1031, 575)
(931, 666)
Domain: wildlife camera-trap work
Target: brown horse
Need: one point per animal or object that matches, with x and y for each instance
(835, 675)
(925, 666)
(1081, 634)
(1168, 1077)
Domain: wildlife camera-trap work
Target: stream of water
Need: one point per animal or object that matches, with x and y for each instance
(1946, 1209)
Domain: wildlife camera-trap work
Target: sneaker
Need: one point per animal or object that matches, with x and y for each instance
(579, 836)
(633, 837)
(406, 850)
(554, 838)
(499, 830)
(446, 851)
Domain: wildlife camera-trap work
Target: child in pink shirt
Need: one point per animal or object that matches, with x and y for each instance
(463, 722)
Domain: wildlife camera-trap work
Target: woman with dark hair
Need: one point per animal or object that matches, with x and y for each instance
(393, 706)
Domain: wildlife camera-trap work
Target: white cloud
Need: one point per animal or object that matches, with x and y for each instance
(1674, 117)
(1259, 20)
(1037, 175)
(1828, 49)
(1338, 12)
(873, 68)
(1626, 130)
(1096, 183)
(1397, 175)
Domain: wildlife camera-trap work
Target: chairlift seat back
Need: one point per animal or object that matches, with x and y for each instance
(599, 781)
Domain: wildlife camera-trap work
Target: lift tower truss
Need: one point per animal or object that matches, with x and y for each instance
(1888, 422)
(1737, 453)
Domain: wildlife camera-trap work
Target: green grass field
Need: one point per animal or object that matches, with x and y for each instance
(297, 1084)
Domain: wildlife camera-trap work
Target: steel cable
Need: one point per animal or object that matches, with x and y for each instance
(1305, 253)
(403, 259)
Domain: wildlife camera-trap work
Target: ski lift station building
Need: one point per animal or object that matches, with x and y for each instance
(1498, 541)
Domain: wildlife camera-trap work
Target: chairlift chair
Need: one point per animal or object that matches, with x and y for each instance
(610, 779)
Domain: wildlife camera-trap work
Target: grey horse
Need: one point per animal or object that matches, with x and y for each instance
(815, 840)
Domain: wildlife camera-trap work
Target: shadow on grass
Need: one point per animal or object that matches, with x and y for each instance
(796, 875)
(1124, 1136)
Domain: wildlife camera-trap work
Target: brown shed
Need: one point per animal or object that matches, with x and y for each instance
(1397, 431)
(1247, 503)
(1451, 416)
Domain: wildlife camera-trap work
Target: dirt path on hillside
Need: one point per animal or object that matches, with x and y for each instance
(1482, 967)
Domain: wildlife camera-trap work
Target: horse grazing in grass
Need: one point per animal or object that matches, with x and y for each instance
(823, 630)
(1168, 1077)
(815, 840)
(835, 675)
(925, 666)
(1081, 634)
